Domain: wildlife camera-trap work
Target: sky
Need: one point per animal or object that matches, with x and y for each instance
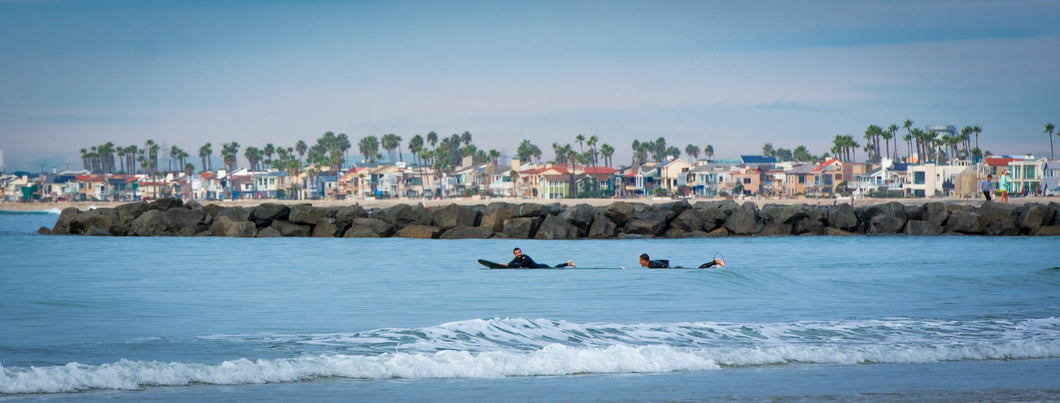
(732, 74)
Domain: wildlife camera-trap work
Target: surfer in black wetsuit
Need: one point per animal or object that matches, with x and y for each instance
(525, 262)
(646, 261)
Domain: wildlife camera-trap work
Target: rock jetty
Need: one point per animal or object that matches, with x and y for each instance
(619, 220)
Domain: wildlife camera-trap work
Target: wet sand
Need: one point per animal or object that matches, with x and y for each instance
(373, 203)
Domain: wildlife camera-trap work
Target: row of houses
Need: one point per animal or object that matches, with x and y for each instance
(749, 176)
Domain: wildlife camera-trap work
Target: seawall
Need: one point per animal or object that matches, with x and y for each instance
(617, 220)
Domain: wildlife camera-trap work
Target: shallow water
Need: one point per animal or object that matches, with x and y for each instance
(396, 319)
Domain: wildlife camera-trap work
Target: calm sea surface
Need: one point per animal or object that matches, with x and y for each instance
(846, 318)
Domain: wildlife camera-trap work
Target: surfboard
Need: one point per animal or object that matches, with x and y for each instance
(495, 265)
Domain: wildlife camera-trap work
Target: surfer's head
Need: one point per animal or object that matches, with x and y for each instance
(517, 252)
(644, 259)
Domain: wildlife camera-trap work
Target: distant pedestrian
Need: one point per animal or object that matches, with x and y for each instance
(1003, 184)
(987, 187)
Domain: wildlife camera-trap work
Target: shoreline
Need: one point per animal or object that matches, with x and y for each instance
(471, 201)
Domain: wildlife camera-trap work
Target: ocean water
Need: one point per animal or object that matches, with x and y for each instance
(789, 318)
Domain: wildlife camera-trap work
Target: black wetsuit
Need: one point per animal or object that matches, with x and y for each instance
(662, 264)
(525, 262)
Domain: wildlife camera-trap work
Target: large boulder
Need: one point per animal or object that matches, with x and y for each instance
(714, 214)
(935, 213)
(403, 215)
(772, 214)
(776, 229)
(922, 227)
(531, 210)
(328, 228)
(479, 232)
(654, 219)
(452, 216)
(602, 227)
(1034, 216)
(166, 203)
(887, 218)
(521, 227)
(580, 216)
(688, 221)
(965, 222)
(185, 222)
(308, 214)
(418, 232)
(744, 221)
(843, 217)
(212, 210)
(290, 229)
(813, 223)
(269, 232)
(495, 215)
(344, 216)
(150, 223)
(236, 214)
(369, 228)
(225, 226)
(1048, 230)
(265, 214)
(554, 227)
(128, 212)
(619, 212)
(999, 219)
(105, 219)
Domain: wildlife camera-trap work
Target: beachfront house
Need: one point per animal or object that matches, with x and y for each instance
(798, 179)
(1027, 175)
(1051, 178)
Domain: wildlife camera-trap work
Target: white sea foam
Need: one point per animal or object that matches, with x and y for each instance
(513, 347)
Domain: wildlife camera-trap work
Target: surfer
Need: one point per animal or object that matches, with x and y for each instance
(526, 262)
(646, 261)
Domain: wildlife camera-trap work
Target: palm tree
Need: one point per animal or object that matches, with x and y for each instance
(515, 181)
(1049, 130)
(976, 129)
(466, 138)
(432, 138)
(204, 153)
(416, 147)
(692, 151)
(580, 138)
(390, 142)
(369, 147)
(301, 149)
(801, 154)
(592, 149)
(607, 151)
(892, 131)
(767, 150)
(708, 151)
(228, 155)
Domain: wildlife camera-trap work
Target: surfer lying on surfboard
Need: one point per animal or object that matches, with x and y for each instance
(646, 261)
(525, 262)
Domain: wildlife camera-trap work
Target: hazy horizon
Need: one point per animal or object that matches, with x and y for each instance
(734, 75)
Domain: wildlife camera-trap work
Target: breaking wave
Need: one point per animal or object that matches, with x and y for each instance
(516, 347)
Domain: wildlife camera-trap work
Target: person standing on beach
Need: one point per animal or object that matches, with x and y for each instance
(1003, 184)
(987, 187)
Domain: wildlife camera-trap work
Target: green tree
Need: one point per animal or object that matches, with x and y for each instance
(205, 152)
(228, 155)
(390, 142)
(607, 151)
(369, 147)
(1049, 131)
(692, 151)
(708, 151)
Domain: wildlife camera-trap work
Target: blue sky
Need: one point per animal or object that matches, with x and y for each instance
(732, 74)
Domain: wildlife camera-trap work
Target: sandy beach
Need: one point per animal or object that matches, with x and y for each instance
(373, 203)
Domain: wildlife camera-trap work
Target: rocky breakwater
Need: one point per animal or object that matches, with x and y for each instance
(619, 220)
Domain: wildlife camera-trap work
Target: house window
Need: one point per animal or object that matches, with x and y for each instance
(918, 178)
(802, 179)
(1028, 172)
(747, 181)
